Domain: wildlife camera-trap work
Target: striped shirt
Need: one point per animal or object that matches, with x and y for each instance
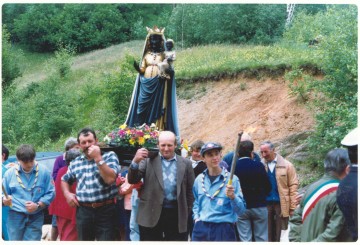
(90, 185)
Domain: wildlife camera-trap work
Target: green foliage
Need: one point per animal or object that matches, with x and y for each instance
(119, 86)
(9, 62)
(91, 26)
(199, 24)
(37, 27)
(63, 60)
(300, 84)
(38, 114)
(335, 104)
(84, 27)
(45, 112)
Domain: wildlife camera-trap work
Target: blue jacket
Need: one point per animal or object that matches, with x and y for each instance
(220, 209)
(43, 191)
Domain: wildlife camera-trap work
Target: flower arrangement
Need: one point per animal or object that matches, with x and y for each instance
(136, 137)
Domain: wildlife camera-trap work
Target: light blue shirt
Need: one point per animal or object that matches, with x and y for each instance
(43, 191)
(220, 209)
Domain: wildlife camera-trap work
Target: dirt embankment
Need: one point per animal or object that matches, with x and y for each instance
(222, 108)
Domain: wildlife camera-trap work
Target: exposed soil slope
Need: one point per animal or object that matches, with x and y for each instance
(222, 108)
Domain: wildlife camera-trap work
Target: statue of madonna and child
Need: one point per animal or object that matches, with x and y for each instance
(153, 100)
(154, 95)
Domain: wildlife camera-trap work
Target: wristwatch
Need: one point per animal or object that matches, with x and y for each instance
(101, 162)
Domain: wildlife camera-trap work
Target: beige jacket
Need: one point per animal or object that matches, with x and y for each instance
(287, 183)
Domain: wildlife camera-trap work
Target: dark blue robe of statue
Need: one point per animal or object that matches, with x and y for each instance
(147, 103)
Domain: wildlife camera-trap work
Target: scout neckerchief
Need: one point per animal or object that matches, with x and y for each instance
(321, 191)
(218, 190)
(20, 181)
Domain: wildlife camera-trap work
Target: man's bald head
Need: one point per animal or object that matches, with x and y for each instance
(167, 135)
(245, 137)
(167, 144)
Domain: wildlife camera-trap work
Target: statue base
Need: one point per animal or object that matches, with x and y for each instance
(126, 154)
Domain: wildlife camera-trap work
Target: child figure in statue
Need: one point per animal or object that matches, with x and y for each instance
(170, 56)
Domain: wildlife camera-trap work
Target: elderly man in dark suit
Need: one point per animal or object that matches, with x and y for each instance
(166, 198)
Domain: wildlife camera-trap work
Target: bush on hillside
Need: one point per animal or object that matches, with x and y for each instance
(119, 86)
(63, 60)
(9, 63)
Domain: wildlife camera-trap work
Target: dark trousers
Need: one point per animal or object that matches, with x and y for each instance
(96, 223)
(208, 231)
(165, 230)
(127, 225)
(276, 223)
(190, 224)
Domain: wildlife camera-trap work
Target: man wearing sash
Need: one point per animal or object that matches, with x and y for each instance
(217, 204)
(30, 190)
(318, 218)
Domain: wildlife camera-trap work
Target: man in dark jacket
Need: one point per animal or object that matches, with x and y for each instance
(166, 198)
(347, 193)
(255, 186)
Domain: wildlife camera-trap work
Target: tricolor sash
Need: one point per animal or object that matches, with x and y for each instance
(322, 190)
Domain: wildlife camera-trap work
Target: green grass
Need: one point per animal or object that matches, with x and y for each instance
(195, 63)
(213, 60)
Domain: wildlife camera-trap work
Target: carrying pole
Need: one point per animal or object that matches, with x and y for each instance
(6, 195)
(235, 157)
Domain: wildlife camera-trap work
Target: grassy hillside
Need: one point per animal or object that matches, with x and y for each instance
(197, 63)
(56, 107)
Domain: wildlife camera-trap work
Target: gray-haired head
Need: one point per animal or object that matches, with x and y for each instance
(70, 142)
(72, 154)
(336, 161)
(269, 143)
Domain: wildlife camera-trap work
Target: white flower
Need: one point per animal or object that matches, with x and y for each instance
(107, 139)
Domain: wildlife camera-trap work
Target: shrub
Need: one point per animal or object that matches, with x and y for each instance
(300, 84)
(119, 86)
(63, 60)
(9, 65)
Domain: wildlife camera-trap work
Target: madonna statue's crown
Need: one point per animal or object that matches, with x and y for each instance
(155, 30)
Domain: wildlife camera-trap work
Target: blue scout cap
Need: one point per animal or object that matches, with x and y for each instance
(209, 146)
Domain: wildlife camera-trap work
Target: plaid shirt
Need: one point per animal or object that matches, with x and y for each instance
(90, 185)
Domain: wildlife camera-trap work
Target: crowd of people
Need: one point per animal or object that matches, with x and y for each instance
(168, 197)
